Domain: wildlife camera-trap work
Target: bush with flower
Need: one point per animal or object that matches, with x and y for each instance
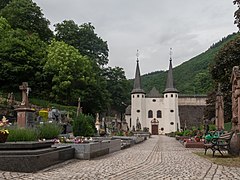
(3, 125)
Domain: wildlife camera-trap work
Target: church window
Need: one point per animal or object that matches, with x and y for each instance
(142, 96)
(176, 95)
(150, 114)
(171, 110)
(138, 111)
(172, 123)
(162, 129)
(171, 95)
(166, 95)
(130, 122)
(138, 96)
(133, 96)
(159, 114)
(154, 100)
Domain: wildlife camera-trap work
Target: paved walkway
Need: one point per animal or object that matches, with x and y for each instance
(160, 157)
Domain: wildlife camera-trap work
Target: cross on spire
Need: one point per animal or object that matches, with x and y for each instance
(137, 55)
(170, 53)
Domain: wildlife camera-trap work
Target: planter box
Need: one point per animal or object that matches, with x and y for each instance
(194, 144)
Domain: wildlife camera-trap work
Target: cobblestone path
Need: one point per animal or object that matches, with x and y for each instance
(159, 157)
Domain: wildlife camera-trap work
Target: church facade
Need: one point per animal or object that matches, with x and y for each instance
(156, 112)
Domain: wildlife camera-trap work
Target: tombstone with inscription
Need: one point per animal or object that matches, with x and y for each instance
(25, 115)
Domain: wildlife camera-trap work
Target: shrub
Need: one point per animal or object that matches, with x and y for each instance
(22, 134)
(120, 133)
(212, 127)
(83, 125)
(179, 133)
(49, 130)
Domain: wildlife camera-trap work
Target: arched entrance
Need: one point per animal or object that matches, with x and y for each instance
(154, 124)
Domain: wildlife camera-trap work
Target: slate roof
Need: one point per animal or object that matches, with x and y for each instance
(169, 85)
(154, 93)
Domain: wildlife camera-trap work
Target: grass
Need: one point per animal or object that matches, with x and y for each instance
(225, 160)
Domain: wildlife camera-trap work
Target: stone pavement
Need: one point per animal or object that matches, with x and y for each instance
(159, 157)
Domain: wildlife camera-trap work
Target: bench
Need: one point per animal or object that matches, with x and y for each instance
(219, 144)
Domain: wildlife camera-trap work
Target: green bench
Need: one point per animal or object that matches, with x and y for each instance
(221, 143)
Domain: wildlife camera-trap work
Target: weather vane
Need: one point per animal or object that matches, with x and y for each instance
(137, 55)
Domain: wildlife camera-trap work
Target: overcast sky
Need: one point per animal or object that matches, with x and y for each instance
(190, 27)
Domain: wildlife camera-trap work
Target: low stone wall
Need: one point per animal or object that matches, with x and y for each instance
(94, 149)
(32, 156)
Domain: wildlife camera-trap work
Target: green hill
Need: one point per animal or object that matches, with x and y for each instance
(192, 76)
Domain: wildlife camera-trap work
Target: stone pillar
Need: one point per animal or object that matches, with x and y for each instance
(79, 108)
(24, 112)
(219, 119)
(97, 124)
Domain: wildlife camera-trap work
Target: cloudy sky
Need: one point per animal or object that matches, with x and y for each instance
(190, 27)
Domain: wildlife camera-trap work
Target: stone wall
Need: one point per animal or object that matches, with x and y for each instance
(191, 115)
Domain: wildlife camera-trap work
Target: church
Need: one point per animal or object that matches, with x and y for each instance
(160, 113)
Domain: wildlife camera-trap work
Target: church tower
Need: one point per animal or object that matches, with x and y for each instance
(138, 106)
(171, 113)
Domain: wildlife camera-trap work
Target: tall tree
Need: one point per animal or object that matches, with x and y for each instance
(237, 13)
(26, 15)
(221, 70)
(21, 54)
(118, 87)
(3, 3)
(84, 39)
(69, 68)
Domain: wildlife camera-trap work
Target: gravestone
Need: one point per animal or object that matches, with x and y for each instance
(24, 112)
(235, 80)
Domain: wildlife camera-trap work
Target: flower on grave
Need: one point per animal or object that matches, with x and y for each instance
(3, 125)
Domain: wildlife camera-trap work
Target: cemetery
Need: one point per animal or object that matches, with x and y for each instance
(54, 141)
(68, 112)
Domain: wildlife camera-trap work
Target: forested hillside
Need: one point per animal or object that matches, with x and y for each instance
(192, 76)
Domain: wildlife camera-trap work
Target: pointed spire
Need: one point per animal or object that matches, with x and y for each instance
(137, 81)
(169, 85)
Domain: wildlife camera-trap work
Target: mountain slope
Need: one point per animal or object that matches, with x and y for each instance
(192, 76)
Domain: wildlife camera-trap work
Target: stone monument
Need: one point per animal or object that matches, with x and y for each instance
(97, 124)
(24, 112)
(235, 80)
(219, 115)
(79, 108)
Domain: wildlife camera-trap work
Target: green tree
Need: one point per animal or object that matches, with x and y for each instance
(3, 3)
(83, 125)
(221, 70)
(21, 55)
(118, 87)
(26, 15)
(237, 13)
(84, 39)
(203, 83)
(70, 71)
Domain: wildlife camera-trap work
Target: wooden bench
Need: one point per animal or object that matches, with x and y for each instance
(222, 143)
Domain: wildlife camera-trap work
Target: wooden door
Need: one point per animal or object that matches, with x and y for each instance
(154, 129)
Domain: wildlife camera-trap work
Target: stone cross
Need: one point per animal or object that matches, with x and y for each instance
(25, 91)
